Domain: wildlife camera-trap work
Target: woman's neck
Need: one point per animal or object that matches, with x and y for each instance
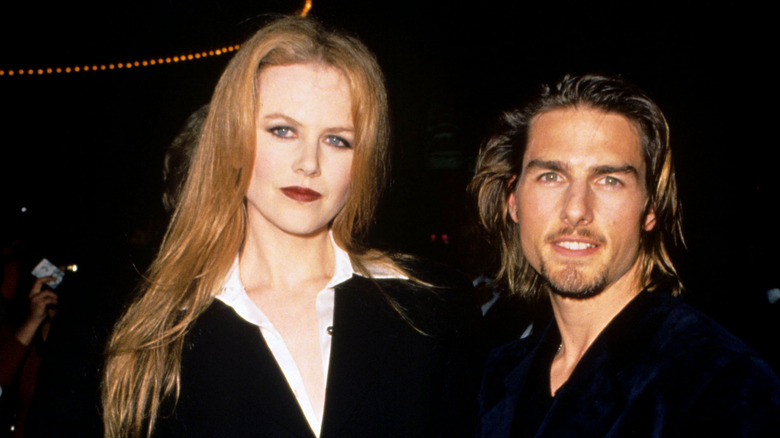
(279, 261)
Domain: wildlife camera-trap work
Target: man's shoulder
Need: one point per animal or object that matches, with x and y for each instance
(685, 352)
(685, 331)
(720, 383)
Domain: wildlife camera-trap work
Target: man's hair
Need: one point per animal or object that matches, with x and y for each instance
(500, 162)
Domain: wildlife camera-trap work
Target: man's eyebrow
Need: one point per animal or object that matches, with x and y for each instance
(603, 170)
(559, 166)
(546, 164)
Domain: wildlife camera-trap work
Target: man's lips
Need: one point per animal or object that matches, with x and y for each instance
(301, 194)
(575, 246)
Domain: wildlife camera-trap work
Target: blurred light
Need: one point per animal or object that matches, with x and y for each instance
(24, 209)
(773, 295)
(306, 8)
(72, 268)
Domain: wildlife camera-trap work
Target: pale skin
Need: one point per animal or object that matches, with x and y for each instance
(580, 205)
(304, 136)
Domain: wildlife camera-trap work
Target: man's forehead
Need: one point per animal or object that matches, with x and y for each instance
(584, 136)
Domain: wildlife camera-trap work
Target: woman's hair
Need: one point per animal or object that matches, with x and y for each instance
(208, 225)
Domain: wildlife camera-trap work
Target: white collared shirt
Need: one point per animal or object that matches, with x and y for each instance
(234, 295)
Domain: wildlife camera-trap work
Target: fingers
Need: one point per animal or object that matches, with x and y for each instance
(44, 298)
(40, 302)
(41, 299)
(38, 285)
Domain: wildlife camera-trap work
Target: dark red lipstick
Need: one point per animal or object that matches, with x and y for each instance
(301, 194)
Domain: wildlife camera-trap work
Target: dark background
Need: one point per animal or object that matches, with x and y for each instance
(83, 151)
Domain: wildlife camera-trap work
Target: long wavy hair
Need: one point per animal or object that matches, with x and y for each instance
(501, 160)
(207, 228)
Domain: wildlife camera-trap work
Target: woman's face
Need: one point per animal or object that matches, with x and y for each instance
(303, 157)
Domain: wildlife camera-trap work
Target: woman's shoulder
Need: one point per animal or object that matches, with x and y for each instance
(430, 294)
(218, 321)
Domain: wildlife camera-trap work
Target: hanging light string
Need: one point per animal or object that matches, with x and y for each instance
(119, 65)
(133, 64)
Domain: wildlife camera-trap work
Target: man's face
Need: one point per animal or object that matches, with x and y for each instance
(580, 201)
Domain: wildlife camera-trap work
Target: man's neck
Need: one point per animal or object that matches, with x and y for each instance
(580, 321)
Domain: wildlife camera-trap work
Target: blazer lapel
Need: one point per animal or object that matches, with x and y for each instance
(362, 329)
(274, 397)
(249, 373)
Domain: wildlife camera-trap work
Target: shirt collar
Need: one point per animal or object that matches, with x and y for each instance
(233, 293)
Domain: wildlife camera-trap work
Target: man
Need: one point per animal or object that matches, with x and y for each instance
(579, 191)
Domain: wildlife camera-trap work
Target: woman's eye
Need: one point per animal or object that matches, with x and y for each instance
(335, 140)
(281, 131)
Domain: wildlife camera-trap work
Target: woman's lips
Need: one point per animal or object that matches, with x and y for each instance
(301, 194)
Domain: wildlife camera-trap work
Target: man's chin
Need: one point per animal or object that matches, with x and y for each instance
(571, 283)
(576, 294)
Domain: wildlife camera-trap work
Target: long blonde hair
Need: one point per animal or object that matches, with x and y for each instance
(208, 225)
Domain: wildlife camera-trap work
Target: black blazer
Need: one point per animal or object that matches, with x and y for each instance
(385, 379)
(659, 369)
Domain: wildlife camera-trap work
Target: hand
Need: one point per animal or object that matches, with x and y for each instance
(43, 304)
(42, 301)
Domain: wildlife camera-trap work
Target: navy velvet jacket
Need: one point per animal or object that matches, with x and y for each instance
(659, 369)
(385, 379)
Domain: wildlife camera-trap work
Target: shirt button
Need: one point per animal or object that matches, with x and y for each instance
(330, 330)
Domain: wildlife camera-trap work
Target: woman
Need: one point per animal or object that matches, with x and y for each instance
(279, 194)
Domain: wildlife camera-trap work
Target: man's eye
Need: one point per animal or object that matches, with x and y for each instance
(611, 181)
(549, 177)
(281, 131)
(335, 140)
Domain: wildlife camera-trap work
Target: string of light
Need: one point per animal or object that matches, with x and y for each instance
(118, 65)
(132, 64)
